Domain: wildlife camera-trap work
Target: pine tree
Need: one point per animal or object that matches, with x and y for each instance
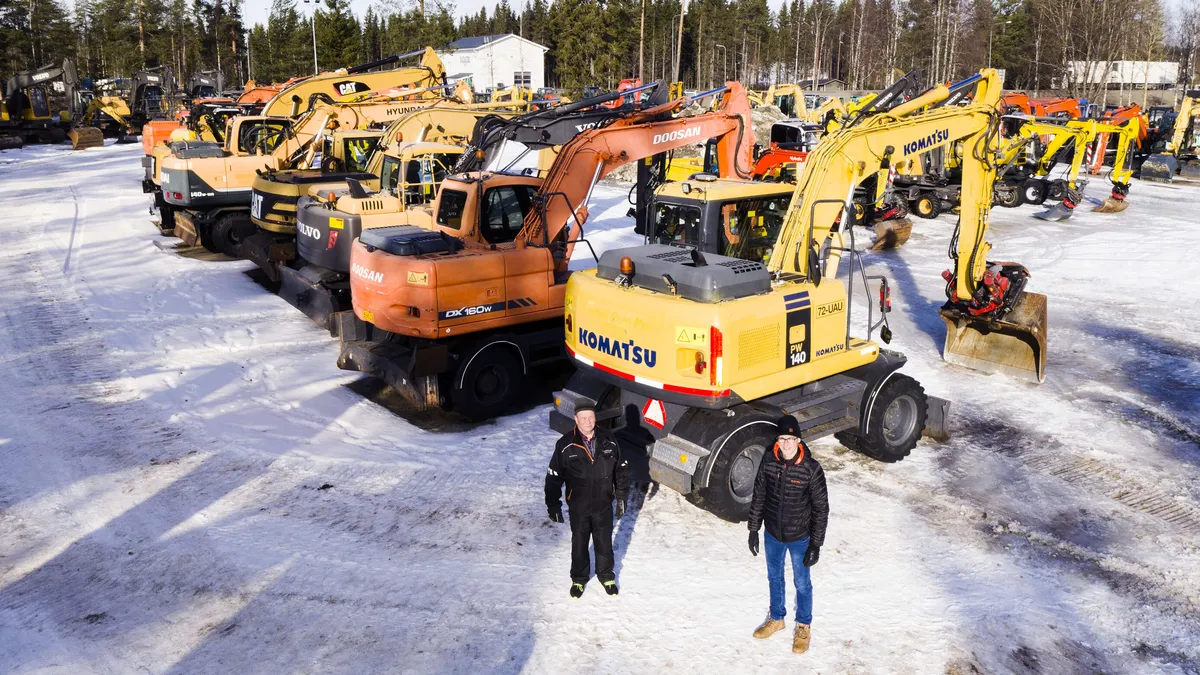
(337, 35)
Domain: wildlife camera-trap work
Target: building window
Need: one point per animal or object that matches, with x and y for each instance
(522, 79)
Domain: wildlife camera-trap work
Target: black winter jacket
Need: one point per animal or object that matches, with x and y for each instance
(592, 479)
(790, 497)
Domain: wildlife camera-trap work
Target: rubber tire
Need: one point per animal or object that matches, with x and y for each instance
(1014, 196)
(1055, 189)
(718, 498)
(227, 234)
(1034, 191)
(874, 443)
(166, 219)
(498, 361)
(860, 213)
(926, 206)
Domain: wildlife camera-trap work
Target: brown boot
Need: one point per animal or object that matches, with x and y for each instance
(768, 628)
(801, 638)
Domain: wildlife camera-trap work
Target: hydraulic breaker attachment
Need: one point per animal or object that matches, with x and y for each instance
(891, 233)
(83, 138)
(1160, 168)
(1014, 345)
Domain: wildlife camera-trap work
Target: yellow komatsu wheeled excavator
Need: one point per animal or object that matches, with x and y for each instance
(705, 352)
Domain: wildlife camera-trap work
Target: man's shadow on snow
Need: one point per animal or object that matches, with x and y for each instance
(634, 441)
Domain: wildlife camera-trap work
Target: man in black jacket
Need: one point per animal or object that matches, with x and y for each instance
(790, 498)
(589, 463)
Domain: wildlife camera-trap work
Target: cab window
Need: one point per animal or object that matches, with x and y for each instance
(357, 151)
(677, 225)
(504, 212)
(37, 102)
(751, 227)
(262, 137)
(450, 210)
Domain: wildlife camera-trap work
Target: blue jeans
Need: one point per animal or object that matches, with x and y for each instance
(800, 577)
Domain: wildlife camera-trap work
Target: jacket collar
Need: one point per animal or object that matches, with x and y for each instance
(802, 451)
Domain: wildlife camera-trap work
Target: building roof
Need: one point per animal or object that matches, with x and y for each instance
(484, 40)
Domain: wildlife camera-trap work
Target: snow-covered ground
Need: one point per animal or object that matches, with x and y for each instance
(189, 484)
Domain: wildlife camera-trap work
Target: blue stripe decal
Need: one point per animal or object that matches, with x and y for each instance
(795, 296)
(799, 305)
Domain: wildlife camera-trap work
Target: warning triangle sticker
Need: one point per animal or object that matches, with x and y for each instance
(683, 336)
(655, 413)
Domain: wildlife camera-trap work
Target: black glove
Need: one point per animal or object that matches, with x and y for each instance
(754, 543)
(619, 509)
(555, 515)
(812, 555)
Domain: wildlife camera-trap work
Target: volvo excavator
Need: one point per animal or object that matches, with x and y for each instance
(25, 108)
(1180, 152)
(208, 187)
(465, 309)
(403, 169)
(705, 352)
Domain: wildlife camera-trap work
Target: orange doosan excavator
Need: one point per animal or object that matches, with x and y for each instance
(460, 310)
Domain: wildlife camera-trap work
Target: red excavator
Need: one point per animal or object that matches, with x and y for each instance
(462, 308)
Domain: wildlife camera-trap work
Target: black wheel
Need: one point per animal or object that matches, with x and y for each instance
(166, 219)
(228, 233)
(487, 382)
(731, 481)
(860, 213)
(897, 418)
(1007, 195)
(1033, 191)
(1055, 189)
(926, 206)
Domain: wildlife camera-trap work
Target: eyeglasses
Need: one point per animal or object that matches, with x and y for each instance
(788, 439)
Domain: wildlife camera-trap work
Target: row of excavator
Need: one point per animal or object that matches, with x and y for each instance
(433, 235)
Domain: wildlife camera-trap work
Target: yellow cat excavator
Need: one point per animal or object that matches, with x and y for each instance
(705, 351)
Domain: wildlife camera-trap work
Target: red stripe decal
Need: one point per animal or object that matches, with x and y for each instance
(668, 387)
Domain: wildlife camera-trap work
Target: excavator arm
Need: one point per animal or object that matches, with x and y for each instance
(591, 156)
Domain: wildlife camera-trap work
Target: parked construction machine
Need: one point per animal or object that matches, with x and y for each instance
(705, 352)
(25, 108)
(460, 312)
(1180, 154)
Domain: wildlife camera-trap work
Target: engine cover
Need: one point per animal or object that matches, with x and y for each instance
(720, 278)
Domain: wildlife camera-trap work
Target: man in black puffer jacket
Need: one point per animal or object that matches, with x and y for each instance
(790, 498)
(588, 461)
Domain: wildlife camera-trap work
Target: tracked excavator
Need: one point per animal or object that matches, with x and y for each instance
(208, 187)
(26, 116)
(1180, 154)
(461, 312)
(704, 351)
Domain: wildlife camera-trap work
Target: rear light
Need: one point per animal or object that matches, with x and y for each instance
(885, 297)
(716, 349)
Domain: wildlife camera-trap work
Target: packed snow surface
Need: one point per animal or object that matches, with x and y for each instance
(188, 484)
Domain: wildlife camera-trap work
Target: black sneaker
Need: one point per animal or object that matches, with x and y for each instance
(610, 587)
(576, 590)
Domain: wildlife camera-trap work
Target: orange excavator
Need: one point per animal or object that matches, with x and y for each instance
(460, 310)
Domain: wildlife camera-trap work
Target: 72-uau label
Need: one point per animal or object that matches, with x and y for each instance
(831, 308)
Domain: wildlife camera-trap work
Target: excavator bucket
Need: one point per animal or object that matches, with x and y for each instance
(1160, 167)
(1190, 170)
(1056, 213)
(1014, 345)
(891, 233)
(83, 138)
(1111, 205)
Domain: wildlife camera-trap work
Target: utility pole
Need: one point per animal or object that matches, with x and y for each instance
(699, 41)
(642, 46)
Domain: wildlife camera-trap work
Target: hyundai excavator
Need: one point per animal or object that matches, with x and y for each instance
(1180, 153)
(208, 187)
(465, 308)
(705, 352)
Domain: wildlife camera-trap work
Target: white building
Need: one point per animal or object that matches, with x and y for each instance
(496, 61)
(1126, 74)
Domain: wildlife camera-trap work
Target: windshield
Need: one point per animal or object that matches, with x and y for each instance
(417, 178)
(752, 226)
(677, 225)
(450, 210)
(261, 136)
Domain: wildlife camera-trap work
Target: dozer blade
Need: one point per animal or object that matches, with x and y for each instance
(1015, 345)
(1159, 168)
(1056, 212)
(83, 138)
(1111, 205)
(891, 233)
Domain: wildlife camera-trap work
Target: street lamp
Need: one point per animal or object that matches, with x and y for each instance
(991, 29)
(316, 70)
(724, 62)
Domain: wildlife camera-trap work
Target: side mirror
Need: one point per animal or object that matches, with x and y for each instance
(814, 264)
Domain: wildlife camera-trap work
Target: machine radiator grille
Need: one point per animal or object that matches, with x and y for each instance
(369, 205)
(758, 345)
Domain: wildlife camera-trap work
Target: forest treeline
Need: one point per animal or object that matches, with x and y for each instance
(597, 41)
